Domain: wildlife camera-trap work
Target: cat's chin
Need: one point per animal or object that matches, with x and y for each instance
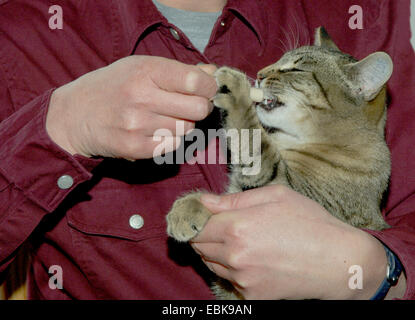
(268, 129)
(272, 130)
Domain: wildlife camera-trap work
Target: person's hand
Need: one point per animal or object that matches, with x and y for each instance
(115, 111)
(273, 243)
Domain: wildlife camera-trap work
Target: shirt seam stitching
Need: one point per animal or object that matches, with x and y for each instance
(6, 78)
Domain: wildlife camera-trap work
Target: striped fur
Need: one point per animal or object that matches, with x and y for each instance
(324, 137)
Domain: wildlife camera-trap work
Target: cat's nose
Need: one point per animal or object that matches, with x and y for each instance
(260, 76)
(263, 73)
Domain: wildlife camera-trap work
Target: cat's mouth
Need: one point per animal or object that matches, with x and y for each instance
(269, 104)
(267, 127)
(270, 129)
(269, 101)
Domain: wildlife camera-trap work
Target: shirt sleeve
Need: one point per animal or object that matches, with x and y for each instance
(400, 239)
(31, 171)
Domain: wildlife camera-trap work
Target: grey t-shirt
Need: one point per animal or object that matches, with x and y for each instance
(197, 26)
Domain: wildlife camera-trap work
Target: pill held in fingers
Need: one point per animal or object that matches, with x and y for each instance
(256, 94)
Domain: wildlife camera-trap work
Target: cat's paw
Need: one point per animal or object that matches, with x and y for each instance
(224, 290)
(233, 89)
(187, 217)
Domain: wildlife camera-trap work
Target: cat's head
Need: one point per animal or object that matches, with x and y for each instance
(317, 93)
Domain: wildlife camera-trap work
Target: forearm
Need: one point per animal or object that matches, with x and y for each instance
(31, 171)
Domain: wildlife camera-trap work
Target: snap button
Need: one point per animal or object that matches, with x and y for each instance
(65, 182)
(174, 33)
(222, 23)
(136, 221)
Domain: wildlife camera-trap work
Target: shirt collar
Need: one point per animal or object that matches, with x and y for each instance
(146, 15)
(250, 12)
(136, 17)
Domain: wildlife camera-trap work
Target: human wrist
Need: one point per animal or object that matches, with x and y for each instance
(394, 271)
(397, 291)
(371, 257)
(55, 121)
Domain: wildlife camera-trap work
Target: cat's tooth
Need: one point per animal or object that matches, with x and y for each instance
(256, 83)
(256, 94)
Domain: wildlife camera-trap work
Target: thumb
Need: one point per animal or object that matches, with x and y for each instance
(174, 76)
(208, 68)
(241, 200)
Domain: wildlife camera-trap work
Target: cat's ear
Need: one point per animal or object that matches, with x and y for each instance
(322, 39)
(370, 74)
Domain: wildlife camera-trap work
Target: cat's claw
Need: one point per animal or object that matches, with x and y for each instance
(187, 218)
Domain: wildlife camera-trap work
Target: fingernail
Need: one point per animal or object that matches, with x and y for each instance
(196, 249)
(208, 68)
(210, 198)
(211, 106)
(191, 81)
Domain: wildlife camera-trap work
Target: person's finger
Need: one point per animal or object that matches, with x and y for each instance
(218, 269)
(212, 252)
(240, 200)
(148, 147)
(167, 126)
(180, 106)
(215, 230)
(208, 68)
(175, 76)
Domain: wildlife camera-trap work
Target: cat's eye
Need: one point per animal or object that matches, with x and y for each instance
(291, 70)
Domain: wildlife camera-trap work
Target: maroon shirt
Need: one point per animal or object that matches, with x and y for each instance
(85, 229)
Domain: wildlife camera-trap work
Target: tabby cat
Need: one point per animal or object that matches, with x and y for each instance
(322, 134)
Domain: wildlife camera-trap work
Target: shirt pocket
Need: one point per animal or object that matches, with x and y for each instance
(118, 260)
(134, 212)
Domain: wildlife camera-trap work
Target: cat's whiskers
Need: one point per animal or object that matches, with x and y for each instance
(285, 49)
(293, 46)
(251, 80)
